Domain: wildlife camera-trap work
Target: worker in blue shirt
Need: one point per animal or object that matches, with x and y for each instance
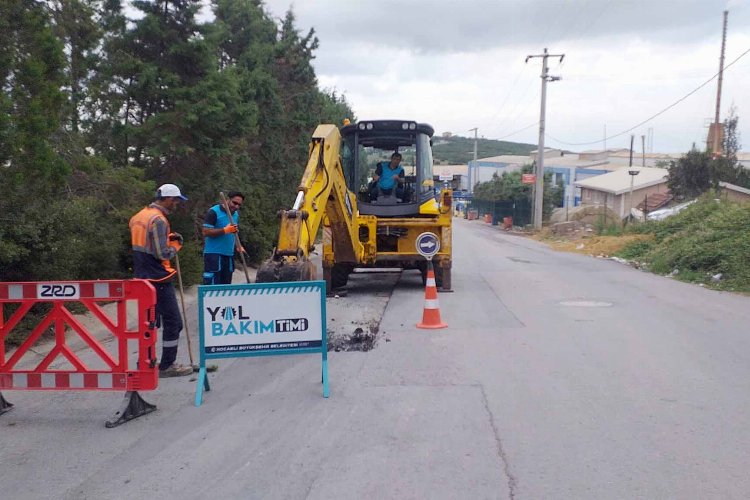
(387, 176)
(220, 233)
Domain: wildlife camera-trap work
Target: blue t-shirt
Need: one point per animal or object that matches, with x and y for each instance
(386, 180)
(216, 218)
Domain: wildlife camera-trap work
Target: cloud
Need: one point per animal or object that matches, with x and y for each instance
(476, 25)
(460, 64)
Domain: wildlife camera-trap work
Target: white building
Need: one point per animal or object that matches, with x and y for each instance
(613, 189)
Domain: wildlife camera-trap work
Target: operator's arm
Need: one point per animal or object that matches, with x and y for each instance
(162, 250)
(378, 172)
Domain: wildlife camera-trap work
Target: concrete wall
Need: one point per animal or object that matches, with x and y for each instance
(728, 194)
(619, 203)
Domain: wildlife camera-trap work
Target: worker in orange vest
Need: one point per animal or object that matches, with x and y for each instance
(154, 244)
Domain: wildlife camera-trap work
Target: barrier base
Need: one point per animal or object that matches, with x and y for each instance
(4, 405)
(133, 406)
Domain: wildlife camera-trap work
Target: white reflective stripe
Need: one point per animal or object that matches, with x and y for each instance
(101, 290)
(104, 380)
(431, 304)
(170, 343)
(431, 282)
(76, 380)
(20, 380)
(15, 291)
(48, 380)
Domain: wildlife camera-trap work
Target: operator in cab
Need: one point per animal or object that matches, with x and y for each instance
(388, 175)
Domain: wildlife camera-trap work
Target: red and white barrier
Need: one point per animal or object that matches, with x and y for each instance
(118, 374)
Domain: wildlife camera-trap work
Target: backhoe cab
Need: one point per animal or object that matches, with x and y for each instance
(366, 224)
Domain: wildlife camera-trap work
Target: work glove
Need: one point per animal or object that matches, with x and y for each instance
(175, 241)
(231, 228)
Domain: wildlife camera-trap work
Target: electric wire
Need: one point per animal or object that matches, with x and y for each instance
(654, 115)
(517, 131)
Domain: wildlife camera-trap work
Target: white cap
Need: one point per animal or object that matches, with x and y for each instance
(170, 191)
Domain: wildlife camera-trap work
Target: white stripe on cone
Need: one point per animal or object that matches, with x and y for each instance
(431, 282)
(431, 304)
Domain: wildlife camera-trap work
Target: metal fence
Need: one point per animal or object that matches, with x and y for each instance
(519, 210)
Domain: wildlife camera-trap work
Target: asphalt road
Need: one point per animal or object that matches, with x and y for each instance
(560, 376)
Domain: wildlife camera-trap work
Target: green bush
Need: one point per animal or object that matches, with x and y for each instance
(705, 239)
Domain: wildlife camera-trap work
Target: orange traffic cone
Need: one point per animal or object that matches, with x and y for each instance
(431, 314)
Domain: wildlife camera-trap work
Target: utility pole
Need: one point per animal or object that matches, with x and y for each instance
(471, 180)
(716, 130)
(630, 162)
(643, 147)
(539, 184)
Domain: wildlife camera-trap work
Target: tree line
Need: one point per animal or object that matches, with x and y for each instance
(100, 105)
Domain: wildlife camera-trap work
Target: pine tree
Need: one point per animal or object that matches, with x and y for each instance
(32, 172)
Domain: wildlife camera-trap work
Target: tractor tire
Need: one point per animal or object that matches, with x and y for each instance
(339, 276)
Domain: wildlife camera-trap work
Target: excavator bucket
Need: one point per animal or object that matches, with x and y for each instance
(272, 271)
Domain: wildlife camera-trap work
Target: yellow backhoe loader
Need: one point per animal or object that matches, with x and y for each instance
(365, 225)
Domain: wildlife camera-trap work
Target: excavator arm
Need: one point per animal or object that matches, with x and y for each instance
(322, 193)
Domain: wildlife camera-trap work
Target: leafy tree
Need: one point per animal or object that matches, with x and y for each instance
(31, 81)
(690, 175)
(697, 172)
(726, 167)
(508, 187)
(76, 27)
(96, 110)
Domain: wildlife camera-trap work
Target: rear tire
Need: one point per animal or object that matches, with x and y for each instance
(339, 276)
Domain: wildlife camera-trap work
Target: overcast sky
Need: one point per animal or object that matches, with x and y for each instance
(460, 64)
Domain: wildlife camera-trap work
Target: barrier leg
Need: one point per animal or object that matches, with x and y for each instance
(133, 406)
(4, 405)
(202, 385)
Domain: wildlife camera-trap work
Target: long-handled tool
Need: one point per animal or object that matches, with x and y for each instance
(237, 244)
(209, 368)
(184, 314)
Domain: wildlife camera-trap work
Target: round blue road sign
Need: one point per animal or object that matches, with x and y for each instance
(428, 244)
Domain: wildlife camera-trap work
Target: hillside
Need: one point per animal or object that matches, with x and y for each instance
(707, 243)
(457, 150)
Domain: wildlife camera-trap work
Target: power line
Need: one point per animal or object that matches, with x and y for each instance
(507, 96)
(653, 116)
(518, 131)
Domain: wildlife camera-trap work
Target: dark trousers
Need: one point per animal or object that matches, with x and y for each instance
(168, 317)
(217, 269)
(375, 192)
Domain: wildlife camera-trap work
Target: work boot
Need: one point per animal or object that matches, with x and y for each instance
(175, 370)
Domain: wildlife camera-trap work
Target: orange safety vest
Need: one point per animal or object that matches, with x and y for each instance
(146, 264)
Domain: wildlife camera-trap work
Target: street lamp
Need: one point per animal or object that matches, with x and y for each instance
(633, 172)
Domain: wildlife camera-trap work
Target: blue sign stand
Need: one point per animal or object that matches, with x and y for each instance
(234, 315)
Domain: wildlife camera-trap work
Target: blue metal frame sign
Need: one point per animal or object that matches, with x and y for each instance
(428, 244)
(261, 319)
